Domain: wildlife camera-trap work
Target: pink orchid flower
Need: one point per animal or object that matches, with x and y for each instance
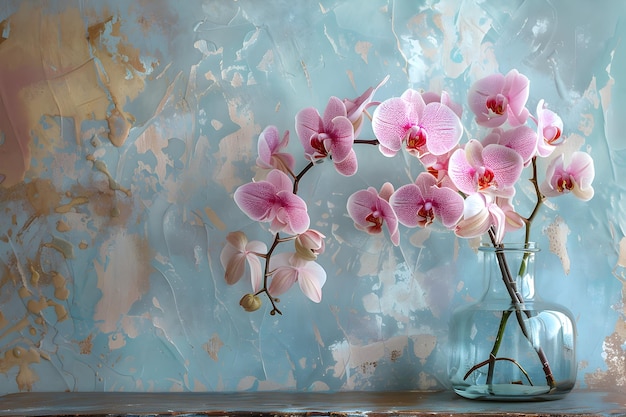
(549, 129)
(269, 147)
(498, 98)
(310, 244)
(491, 169)
(423, 128)
(522, 139)
(370, 209)
(289, 269)
(236, 253)
(272, 200)
(480, 212)
(419, 204)
(329, 136)
(575, 178)
(356, 107)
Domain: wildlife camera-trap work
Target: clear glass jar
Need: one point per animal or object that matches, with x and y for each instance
(499, 344)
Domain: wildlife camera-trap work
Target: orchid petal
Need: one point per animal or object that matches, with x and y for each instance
(513, 220)
(233, 263)
(390, 123)
(256, 272)
(476, 219)
(498, 221)
(359, 206)
(506, 163)
(356, 107)
(443, 127)
(280, 180)
(283, 277)
(522, 139)
(237, 239)
(312, 278)
(448, 205)
(341, 137)
(256, 199)
(461, 172)
(406, 202)
(474, 153)
(416, 103)
(582, 168)
(386, 151)
(334, 108)
(269, 146)
(516, 88)
(348, 166)
(386, 191)
(308, 123)
(291, 215)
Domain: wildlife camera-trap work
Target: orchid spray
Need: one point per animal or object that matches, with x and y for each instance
(467, 187)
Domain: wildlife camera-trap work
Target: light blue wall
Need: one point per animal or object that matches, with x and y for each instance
(147, 306)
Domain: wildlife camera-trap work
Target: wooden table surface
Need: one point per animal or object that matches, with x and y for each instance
(371, 404)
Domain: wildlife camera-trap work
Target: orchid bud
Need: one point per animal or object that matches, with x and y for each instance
(310, 244)
(250, 302)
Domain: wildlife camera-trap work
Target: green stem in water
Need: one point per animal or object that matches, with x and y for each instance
(493, 359)
(496, 346)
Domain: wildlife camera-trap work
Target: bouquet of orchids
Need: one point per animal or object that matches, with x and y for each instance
(467, 187)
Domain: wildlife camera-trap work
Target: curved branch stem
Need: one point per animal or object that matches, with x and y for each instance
(277, 239)
(492, 360)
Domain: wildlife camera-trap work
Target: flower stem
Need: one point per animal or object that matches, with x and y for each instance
(496, 346)
(518, 307)
(493, 359)
(540, 199)
(267, 273)
(277, 239)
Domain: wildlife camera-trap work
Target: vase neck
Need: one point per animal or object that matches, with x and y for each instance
(510, 262)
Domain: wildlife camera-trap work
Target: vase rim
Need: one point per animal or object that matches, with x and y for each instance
(512, 246)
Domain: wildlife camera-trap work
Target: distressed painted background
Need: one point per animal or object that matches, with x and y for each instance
(126, 126)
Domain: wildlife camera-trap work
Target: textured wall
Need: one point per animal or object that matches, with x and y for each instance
(126, 126)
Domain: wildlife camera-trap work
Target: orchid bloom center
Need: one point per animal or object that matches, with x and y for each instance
(427, 213)
(564, 184)
(375, 220)
(317, 143)
(551, 135)
(485, 178)
(433, 170)
(497, 104)
(416, 139)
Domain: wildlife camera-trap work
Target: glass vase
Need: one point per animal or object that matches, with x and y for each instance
(511, 345)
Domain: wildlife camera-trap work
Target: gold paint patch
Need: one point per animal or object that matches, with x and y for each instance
(213, 346)
(51, 68)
